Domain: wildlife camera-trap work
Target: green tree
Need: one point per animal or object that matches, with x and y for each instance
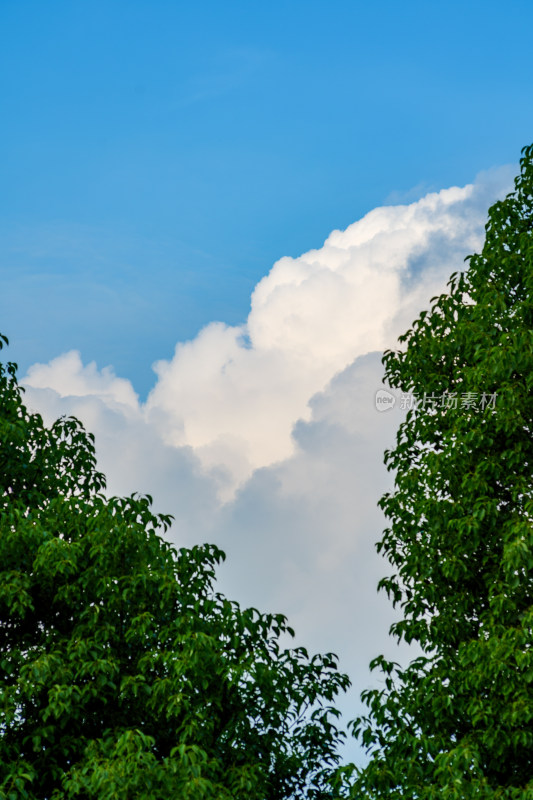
(457, 722)
(123, 674)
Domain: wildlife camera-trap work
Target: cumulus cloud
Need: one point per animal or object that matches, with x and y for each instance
(68, 377)
(234, 393)
(264, 437)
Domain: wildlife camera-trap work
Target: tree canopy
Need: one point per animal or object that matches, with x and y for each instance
(457, 722)
(122, 672)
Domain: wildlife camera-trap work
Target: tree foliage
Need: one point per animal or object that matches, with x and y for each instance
(123, 674)
(458, 721)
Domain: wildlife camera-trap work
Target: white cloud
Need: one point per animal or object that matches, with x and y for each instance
(264, 437)
(234, 393)
(67, 377)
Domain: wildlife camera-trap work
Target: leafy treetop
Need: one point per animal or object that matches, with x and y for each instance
(122, 672)
(457, 722)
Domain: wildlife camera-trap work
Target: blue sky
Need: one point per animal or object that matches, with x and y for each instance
(213, 220)
(157, 158)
